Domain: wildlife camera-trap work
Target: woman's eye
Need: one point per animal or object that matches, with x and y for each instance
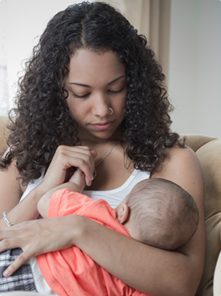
(81, 97)
(116, 91)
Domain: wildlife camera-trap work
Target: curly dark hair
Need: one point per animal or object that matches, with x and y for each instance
(41, 122)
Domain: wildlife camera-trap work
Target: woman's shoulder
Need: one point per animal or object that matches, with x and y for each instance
(180, 154)
(10, 177)
(179, 157)
(182, 167)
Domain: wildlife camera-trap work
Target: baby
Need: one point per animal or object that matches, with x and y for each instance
(156, 212)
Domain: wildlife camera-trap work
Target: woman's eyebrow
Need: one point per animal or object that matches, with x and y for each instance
(116, 79)
(85, 85)
(76, 83)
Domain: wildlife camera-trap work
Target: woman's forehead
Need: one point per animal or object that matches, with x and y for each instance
(86, 63)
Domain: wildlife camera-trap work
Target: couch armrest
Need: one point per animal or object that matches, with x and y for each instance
(217, 278)
(3, 122)
(208, 151)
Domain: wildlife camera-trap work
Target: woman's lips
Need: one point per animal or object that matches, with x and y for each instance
(103, 126)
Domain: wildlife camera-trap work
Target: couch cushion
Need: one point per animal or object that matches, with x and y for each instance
(208, 151)
(3, 121)
(210, 159)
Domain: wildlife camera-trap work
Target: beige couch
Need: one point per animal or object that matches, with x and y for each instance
(208, 151)
(3, 121)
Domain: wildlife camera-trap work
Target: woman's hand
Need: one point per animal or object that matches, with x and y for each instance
(138, 265)
(64, 159)
(38, 237)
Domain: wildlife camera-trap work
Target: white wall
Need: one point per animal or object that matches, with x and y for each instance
(25, 22)
(195, 56)
(195, 66)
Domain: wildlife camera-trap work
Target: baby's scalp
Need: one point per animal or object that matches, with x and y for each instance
(162, 214)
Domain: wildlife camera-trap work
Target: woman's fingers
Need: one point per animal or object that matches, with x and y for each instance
(75, 156)
(38, 237)
(8, 242)
(66, 158)
(19, 261)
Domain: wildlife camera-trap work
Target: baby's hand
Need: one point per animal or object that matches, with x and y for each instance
(78, 178)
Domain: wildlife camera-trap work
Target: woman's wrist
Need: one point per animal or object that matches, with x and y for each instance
(79, 224)
(23, 211)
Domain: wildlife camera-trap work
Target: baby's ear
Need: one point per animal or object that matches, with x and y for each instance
(123, 213)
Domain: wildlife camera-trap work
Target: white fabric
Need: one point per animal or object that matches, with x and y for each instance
(31, 185)
(217, 277)
(113, 197)
(40, 282)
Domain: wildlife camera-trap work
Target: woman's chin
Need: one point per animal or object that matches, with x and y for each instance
(100, 135)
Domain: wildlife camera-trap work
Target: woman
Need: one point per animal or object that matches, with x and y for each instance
(93, 97)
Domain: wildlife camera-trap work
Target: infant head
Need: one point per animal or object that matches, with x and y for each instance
(160, 213)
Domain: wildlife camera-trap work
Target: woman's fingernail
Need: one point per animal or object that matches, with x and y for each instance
(7, 272)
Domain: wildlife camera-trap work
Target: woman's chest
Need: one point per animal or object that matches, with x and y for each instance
(114, 196)
(108, 178)
(111, 173)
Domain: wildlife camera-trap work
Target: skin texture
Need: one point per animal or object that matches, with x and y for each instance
(89, 102)
(41, 120)
(148, 269)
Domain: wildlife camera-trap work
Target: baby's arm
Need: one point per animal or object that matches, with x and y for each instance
(76, 184)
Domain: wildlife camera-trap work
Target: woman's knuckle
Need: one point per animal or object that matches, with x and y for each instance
(60, 155)
(88, 158)
(81, 162)
(22, 258)
(60, 149)
(6, 243)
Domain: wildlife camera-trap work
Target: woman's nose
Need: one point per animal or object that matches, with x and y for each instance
(101, 106)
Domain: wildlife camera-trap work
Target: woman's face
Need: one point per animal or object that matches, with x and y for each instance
(96, 82)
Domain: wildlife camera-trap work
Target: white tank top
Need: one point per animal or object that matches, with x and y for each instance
(113, 197)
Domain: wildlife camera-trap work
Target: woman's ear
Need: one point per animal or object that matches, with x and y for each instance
(123, 213)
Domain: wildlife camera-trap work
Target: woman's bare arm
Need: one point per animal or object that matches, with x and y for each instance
(148, 269)
(11, 192)
(11, 189)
